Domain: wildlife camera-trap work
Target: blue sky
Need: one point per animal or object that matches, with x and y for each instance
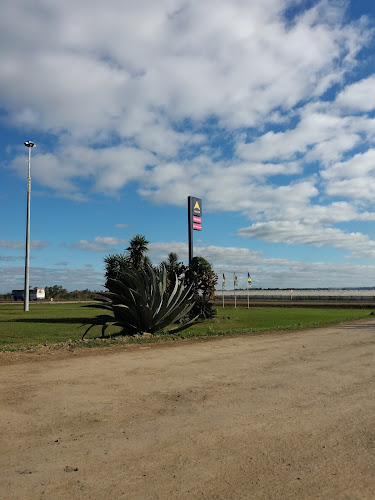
(265, 109)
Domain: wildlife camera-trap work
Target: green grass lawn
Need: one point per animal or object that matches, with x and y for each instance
(53, 322)
(47, 322)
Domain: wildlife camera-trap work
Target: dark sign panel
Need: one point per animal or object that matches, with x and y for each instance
(196, 212)
(194, 220)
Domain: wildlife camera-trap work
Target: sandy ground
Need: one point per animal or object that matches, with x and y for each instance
(277, 416)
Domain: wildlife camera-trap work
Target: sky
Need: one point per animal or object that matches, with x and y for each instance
(264, 109)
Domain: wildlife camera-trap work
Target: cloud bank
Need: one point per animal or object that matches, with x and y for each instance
(261, 108)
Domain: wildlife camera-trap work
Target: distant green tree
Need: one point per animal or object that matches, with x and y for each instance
(147, 262)
(55, 291)
(59, 293)
(203, 280)
(81, 295)
(137, 250)
(134, 257)
(115, 264)
(174, 268)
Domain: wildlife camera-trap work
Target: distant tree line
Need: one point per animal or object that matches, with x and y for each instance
(57, 292)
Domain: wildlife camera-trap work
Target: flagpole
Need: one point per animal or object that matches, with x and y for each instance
(222, 288)
(248, 289)
(234, 283)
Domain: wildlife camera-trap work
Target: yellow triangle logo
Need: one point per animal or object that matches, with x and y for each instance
(196, 206)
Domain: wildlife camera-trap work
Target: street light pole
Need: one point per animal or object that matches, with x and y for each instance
(28, 144)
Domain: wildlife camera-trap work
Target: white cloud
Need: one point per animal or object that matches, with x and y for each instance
(222, 99)
(269, 271)
(34, 244)
(99, 244)
(320, 134)
(333, 213)
(109, 240)
(130, 68)
(71, 278)
(8, 258)
(214, 254)
(12, 244)
(265, 271)
(39, 245)
(296, 233)
(362, 189)
(360, 165)
(229, 187)
(110, 167)
(359, 96)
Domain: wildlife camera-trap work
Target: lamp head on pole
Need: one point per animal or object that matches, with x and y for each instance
(29, 144)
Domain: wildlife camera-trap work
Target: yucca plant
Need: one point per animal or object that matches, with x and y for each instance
(140, 302)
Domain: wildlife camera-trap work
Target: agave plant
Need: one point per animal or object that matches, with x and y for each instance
(140, 302)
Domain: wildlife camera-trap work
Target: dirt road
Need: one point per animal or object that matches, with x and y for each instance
(271, 417)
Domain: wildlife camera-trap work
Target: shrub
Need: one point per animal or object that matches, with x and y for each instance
(140, 302)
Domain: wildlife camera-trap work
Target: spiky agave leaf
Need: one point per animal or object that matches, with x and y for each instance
(180, 309)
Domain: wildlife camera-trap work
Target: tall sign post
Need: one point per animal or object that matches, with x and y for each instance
(194, 220)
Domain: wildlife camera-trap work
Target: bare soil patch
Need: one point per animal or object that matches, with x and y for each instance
(287, 415)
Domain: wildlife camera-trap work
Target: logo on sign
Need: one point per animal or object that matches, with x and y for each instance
(197, 219)
(197, 227)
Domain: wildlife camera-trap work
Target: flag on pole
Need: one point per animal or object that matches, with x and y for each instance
(235, 281)
(223, 281)
(248, 280)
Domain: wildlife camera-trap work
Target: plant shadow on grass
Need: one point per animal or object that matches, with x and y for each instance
(79, 321)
